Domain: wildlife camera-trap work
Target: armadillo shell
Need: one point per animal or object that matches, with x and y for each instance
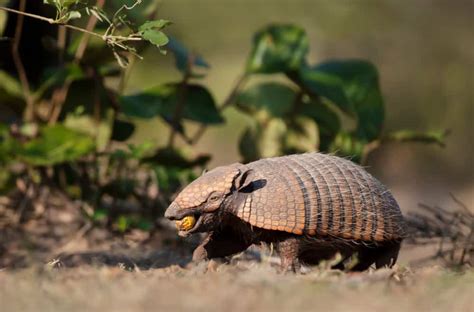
(318, 194)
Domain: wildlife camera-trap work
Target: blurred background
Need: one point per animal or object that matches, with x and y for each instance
(423, 51)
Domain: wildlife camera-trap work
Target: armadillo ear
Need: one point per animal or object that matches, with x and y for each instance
(244, 178)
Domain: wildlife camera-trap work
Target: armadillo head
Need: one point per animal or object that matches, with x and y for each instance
(197, 206)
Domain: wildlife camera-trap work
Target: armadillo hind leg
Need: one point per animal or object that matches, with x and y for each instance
(289, 255)
(382, 256)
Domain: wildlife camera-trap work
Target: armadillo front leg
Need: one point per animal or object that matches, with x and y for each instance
(218, 245)
(289, 252)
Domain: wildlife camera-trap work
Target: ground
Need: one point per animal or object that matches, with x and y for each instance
(240, 286)
(52, 260)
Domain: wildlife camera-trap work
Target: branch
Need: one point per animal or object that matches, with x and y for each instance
(61, 41)
(89, 27)
(25, 85)
(20, 12)
(105, 37)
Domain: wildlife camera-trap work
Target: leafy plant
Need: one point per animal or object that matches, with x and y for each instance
(72, 131)
(324, 95)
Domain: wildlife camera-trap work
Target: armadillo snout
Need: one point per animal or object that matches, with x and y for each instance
(172, 211)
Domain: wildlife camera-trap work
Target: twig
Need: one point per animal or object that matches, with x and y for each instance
(90, 26)
(125, 75)
(57, 101)
(29, 111)
(21, 12)
(62, 32)
(460, 204)
(229, 100)
(105, 37)
(125, 7)
(454, 229)
(59, 95)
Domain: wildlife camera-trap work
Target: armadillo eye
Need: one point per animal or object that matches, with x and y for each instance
(214, 198)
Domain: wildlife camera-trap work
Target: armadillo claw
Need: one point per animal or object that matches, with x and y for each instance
(186, 223)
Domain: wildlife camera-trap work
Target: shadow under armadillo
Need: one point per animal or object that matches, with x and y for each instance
(152, 260)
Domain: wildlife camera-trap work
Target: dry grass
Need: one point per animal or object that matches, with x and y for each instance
(242, 286)
(452, 230)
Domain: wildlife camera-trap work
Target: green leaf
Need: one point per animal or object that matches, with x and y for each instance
(55, 3)
(361, 86)
(263, 140)
(72, 15)
(142, 150)
(99, 215)
(61, 4)
(302, 136)
(156, 24)
(8, 145)
(148, 104)
(9, 85)
(198, 104)
(328, 86)
(143, 224)
(156, 37)
(12, 101)
(56, 144)
(123, 223)
(436, 136)
(161, 174)
(327, 120)
(183, 56)
(68, 3)
(278, 48)
(122, 130)
(275, 99)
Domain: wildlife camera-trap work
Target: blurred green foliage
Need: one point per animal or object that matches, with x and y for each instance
(76, 138)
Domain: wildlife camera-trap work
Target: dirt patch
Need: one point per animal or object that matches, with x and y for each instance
(240, 286)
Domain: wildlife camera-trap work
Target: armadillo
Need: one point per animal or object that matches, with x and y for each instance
(310, 206)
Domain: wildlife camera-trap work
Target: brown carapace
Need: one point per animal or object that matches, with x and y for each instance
(311, 206)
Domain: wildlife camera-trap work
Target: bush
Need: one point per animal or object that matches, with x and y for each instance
(69, 128)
